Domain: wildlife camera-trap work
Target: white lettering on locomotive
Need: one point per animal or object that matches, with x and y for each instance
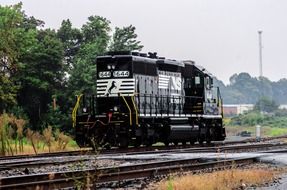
(121, 73)
(105, 74)
(170, 80)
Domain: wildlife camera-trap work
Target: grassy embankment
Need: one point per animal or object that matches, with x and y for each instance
(274, 124)
(223, 180)
(15, 138)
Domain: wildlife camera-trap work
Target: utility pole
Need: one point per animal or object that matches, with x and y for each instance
(258, 131)
(260, 53)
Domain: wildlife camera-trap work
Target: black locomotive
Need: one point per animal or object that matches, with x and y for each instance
(142, 99)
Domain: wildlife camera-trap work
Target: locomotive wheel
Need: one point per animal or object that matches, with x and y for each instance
(107, 146)
(191, 142)
(208, 141)
(138, 142)
(123, 142)
(149, 142)
(210, 135)
(200, 141)
(166, 143)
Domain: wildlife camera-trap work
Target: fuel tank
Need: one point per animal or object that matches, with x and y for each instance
(183, 132)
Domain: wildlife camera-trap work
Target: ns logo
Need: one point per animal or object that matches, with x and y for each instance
(111, 87)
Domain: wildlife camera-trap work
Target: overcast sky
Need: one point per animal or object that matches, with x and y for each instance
(221, 35)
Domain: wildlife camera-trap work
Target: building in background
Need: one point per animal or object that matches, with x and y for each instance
(236, 109)
(283, 106)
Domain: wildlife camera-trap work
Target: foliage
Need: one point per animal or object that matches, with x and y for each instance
(253, 118)
(266, 131)
(41, 75)
(124, 39)
(224, 180)
(38, 65)
(16, 138)
(13, 40)
(71, 39)
(95, 35)
(11, 129)
(244, 89)
(264, 104)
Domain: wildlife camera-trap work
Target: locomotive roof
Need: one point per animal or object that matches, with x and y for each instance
(199, 67)
(152, 59)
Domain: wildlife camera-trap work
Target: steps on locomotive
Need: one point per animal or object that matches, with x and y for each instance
(197, 108)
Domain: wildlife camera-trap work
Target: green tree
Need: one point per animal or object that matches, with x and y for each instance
(95, 42)
(41, 75)
(12, 42)
(266, 105)
(72, 39)
(125, 39)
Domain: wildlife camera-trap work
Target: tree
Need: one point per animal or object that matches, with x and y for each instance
(266, 105)
(125, 39)
(15, 41)
(41, 75)
(97, 28)
(72, 39)
(95, 41)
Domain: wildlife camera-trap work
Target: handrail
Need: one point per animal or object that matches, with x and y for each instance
(220, 102)
(137, 120)
(128, 108)
(74, 113)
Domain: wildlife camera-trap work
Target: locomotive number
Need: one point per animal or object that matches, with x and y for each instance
(105, 74)
(121, 73)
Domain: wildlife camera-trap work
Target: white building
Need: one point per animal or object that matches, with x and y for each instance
(236, 109)
(283, 106)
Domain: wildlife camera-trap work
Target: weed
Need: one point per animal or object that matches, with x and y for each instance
(20, 123)
(223, 180)
(62, 141)
(169, 184)
(34, 138)
(48, 137)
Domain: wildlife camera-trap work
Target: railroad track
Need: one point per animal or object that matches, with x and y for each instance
(105, 175)
(38, 162)
(134, 150)
(45, 155)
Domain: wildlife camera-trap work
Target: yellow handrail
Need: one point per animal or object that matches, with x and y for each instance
(133, 100)
(128, 108)
(74, 113)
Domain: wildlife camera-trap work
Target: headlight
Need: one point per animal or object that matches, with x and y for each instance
(84, 110)
(109, 67)
(115, 108)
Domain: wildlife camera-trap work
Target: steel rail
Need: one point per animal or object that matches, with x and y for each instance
(51, 154)
(38, 163)
(104, 175)
(134, 150)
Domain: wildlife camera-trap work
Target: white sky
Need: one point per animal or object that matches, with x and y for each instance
(220, 35)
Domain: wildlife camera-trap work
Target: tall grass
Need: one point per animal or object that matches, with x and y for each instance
(5, 134)
(16, 139)
(34, 138)
(48, 137)
(220, 180)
